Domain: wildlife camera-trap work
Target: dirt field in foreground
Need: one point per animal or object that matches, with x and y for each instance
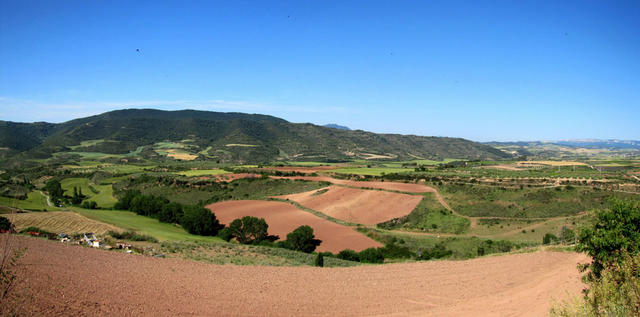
(367, 207)
(78, 281)
(283, 218)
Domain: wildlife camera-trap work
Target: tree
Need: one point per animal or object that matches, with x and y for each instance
(302, 239)
(319, 262)
(55, 189)
(614, 231)
(171, 213)
(201, 221)
(371, 255)
(124, 203)
(249, 229)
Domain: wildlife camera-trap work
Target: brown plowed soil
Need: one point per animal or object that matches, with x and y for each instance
(367, 207)
(283, 218)
(401, 187)
(76, 281)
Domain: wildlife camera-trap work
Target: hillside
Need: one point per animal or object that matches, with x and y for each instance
(232, 137)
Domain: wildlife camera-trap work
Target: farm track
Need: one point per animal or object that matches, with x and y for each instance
(96, 282)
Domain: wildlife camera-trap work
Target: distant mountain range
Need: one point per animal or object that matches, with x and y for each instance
(570, 148)
(232, 137)
(336, 126)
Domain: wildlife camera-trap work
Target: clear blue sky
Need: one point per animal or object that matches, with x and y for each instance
(482, 70)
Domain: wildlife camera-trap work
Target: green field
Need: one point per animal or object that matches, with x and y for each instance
(207, 172)
(101, 194)
(141, 224)
(35, 201)
(429, 216)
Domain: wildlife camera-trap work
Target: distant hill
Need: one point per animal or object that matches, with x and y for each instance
(229, 137)
(570, 148)
(336, 126)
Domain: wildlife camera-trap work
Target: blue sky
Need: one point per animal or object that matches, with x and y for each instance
(482, 70)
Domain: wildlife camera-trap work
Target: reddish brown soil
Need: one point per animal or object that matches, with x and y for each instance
(401, 187)
(283, 218)
(76, 281)
(300, 169)
(367, 207)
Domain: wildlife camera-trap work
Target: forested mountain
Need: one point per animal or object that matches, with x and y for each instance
(225, 136)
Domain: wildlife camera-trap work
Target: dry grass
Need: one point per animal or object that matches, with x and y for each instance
(61, 221)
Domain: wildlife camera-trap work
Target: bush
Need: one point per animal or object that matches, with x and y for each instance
(5, 224)
(319, 260)
(201, 221)
(249, 229)
(302, 239)
(614, 231)
(371, 255)
(549, 238)
(89, 205)
(225, 234)
(615, 293)
(393, 251)
(348, 255)
(132, 235)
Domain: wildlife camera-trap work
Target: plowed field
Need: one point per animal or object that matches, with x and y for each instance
(61, 280)
(367, 207)
(283, 218)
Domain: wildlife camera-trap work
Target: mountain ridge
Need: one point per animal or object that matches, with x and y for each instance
(226, 136)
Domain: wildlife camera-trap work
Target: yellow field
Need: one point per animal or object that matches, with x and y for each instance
(59, 222)
(180, 155)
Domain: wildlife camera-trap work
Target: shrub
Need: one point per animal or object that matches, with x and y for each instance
(89, 205)
(225, 234)
(349, 255)
(132, 235)
(615, 231)
(319, 260)
(549, 238)
(5, 224)
(302, 239)
(201, 221)
(249, 229)
(371, 255)
(393, 251)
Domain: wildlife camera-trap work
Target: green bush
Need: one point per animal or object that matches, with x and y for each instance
(201, 221)
(225, 234)
(549, 238)
(371, 255)
(89, 205)
(302, 239)
(319, 261)
(614, 231)
(5, 224)
(132, 235)
(348, 255)
(249, 229)
(171, 213)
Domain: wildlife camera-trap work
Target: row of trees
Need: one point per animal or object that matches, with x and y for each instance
(193, 218)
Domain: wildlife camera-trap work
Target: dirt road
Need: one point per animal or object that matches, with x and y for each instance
(78, 281)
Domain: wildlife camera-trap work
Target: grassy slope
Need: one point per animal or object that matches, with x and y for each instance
(35, 201)
(104, 198)
(145, 225)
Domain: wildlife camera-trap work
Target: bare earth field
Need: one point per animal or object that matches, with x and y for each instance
(283, 218)
(367, 207)
(57, 279)
(401, 187)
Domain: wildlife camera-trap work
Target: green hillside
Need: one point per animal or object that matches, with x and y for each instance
(225, 137)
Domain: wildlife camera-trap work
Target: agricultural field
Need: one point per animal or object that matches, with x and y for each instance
(36, 201)
(207, 172)
(283, 218)
(101, 194)
(59, 222)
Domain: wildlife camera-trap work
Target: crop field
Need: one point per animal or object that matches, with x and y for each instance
(366, 207)
(59, 222)
(283, 218)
